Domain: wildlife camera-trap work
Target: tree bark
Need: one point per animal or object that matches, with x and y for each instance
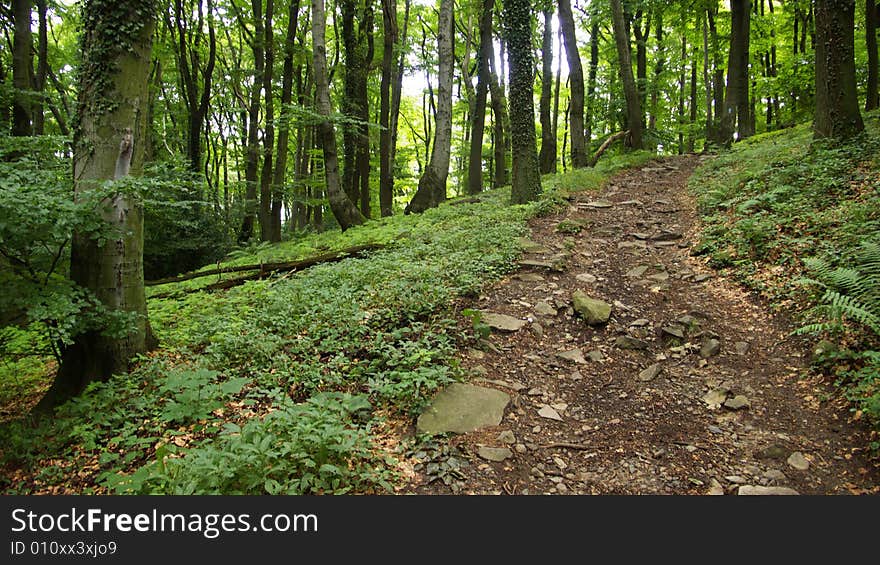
(109, 144)
(872, 98)
(633, 104)
(252, 157)
(576, 78)
(478, 118)
(432, 184)
(547, 156)
(42, 67)
(591, 81)
(357, 23)
(500, 123)
(22, 80)
(737, 111)
(386, 165)
(284, 123)
(345, 212)
(837, 112)
(525, 179)
(269, 130)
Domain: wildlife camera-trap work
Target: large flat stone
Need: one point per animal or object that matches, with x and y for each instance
(462, 408)
(752, 490)
(502, 322)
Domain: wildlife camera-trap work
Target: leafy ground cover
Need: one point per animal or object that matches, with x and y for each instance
(798, 222)
(289, 384)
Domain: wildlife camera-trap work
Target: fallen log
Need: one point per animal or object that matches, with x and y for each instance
(265, 269)
(605, 145)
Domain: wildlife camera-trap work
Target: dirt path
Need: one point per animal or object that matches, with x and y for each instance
(609, 422)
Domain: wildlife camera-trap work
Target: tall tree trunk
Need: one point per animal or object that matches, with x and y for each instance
(547, 156)
(713, 131)
(345, 212)
(42, 67)
(357, 23)
(641, 36)
(556, 91)
(837, 112)
(478, 118)
(269, 131)
(252, 157)
(432, 184)
(109, 143)
(591, 80)
(872, 98)
(682, 74)
(22, 43)
(386, 165)
(284, 123)
(579, 156)
(397, 86)
(736, 100)
(693, 105)
(500, 123)
(633, 104)
(658, 70)
(525, 180)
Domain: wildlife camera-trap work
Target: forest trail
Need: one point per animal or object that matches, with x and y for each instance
(692, 387)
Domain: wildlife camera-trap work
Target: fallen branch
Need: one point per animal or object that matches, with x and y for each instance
(567, 445)
(605, 145)
(265, 269)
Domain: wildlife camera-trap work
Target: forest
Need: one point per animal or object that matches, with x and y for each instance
(261, 247)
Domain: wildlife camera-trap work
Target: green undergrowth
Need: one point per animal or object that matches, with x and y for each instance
(284, 385)
(796, 221)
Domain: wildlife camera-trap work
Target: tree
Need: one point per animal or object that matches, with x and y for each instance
(576, 78)
(191, 70)
(872, 96)
(357, 41)
(478, 118)
(837, 112)
(386, 165)
(109, 144)
(525, 177)
(547, 156)
(432, 184)
(630, 91)
(22, 43)
(737, 111)
(345, 212)
(284, 123)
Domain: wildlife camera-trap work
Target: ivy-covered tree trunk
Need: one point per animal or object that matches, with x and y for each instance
(432, 184)
(22, 43)
(478, 118)
(576, 83)
(526, 179)
(109, 143)
(357, 24)
(630, 91)
(872, 97)
(837, 112)
(345, 212)
(547, 156)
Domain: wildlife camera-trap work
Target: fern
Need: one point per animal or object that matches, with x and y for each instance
(851, 292)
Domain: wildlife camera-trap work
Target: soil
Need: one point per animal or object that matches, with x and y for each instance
(770, 423)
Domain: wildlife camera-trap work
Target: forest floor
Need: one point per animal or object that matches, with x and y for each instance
(693, 386)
